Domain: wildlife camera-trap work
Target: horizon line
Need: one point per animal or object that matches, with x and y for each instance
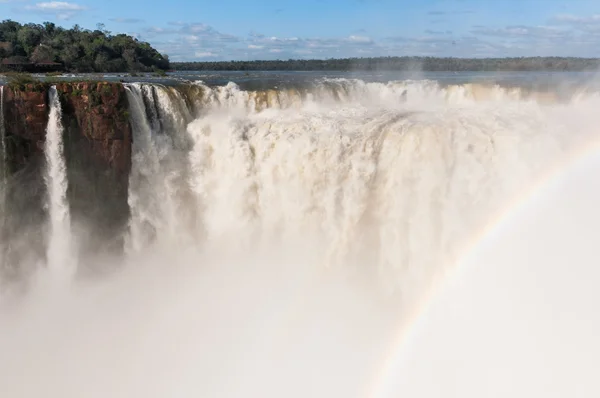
(396, 57)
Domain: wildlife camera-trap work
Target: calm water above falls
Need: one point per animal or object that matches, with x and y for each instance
(271, 79)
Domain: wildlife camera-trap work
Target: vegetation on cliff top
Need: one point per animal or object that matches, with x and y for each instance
(25, 82)
(429, 64)
(33, 46)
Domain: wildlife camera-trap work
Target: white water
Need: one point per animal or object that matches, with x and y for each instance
(2, 134)
(397, 176)
(277, 239)
(59, 253)
(3, 170)
(159, 166)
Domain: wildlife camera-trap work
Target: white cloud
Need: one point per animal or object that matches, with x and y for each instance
(360, 39)
(55, 6)
(438, 32)
(575, 19)
(205, 54)
(522, 31)
(127, 20)
(60, 9)
(589, 24)
(183, 41)
(158, 30)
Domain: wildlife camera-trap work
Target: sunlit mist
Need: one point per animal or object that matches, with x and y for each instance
(347, 239)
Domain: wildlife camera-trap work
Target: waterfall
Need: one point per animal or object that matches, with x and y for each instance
(59, 252)
(368, 172)
(3, 135)
(3, 171)
(157, 190)
(282, 243)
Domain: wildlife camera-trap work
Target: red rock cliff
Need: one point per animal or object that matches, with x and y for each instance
(98, 111)
(97, 148)
(25, 120)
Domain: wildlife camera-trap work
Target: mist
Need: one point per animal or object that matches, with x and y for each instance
(281, 244)
(217, 325)
(519, 317)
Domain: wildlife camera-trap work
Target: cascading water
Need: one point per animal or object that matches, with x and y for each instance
(397, 176)
(157, 189)
(2, 135)
(59, 254)
(265, 226)
(3, 174)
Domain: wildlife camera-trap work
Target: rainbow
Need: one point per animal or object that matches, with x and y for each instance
(409, 326)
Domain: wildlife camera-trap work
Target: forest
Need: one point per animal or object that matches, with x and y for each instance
(406, 63)
(38, 47)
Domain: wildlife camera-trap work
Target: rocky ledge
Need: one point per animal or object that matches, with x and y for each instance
(95, 114)
(97, 148)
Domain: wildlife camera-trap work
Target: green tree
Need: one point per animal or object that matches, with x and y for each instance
(9, 30)
(50, 29)
(78, 49)
(29, 36)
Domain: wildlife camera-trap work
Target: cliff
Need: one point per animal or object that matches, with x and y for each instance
(96, 115)
(97, 148)
(25, 120)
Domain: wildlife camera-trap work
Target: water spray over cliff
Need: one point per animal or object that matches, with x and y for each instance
(60, 260)
(396, 175)
(158, 180)
(278, 238)
(3, 174)
(2, 135)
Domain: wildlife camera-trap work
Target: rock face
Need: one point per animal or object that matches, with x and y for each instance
(98, 143)
(97, 147)
(25, 119)
(94, 113)
(97, 113)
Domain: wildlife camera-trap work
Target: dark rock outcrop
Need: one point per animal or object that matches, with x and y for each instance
(25, 120)
(22, 231)
(98, 154)
(97, 147)
(98, 114)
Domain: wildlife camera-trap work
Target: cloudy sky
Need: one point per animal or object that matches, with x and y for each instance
(271, 29)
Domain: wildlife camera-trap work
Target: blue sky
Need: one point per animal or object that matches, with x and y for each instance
(269, 29)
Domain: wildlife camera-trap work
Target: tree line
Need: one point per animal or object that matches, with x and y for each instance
(75, 49)
(406, 63)
(82, 50)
